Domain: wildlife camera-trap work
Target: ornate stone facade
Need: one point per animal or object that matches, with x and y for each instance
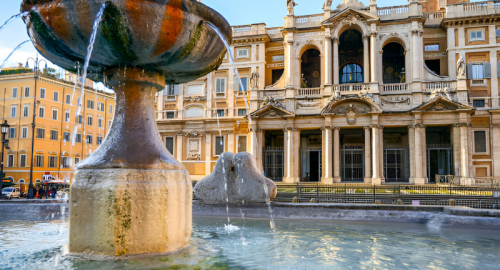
(358, 93)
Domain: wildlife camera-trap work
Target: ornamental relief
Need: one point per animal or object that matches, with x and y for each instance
(350, 108)
(442, 106)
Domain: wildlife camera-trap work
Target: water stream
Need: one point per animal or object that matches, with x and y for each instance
(12, 18)
(231, 59)
(13, 51)
(90, 48)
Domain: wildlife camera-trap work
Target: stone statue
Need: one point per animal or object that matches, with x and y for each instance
(290, 4)
(355, 4)
(461, 67)
(254, 81)
(440, 92)
(273, 101)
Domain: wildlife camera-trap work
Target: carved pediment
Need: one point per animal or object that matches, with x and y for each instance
(440, 103)
(350, 106)
(350, 16)
(271, 111)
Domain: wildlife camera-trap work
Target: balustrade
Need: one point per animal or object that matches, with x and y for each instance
(309, 92)
(396, 87)
(351, 87)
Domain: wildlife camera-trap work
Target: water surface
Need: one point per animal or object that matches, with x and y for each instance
(251, 244)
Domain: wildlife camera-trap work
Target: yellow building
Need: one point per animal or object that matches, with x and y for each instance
(56, 124)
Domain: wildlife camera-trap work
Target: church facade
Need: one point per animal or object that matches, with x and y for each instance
(356, 94)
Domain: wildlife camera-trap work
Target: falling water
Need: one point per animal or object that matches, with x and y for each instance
(97, 22)
(231, 59)
(6, 59)
(12, 18)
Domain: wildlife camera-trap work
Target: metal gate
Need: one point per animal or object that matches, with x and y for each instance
(274, 163)
(395, 165)
(439, 161)
(352, 163)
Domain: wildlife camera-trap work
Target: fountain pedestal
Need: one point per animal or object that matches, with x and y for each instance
(131, 196)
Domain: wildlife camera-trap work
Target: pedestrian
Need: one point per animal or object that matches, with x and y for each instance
(53, 192)
(41, 192)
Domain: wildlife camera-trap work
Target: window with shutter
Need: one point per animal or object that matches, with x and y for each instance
(220, 87)
(480, 143)
(169, 143)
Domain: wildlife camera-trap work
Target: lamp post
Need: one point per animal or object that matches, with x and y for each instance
(37, 64)
(5, 130)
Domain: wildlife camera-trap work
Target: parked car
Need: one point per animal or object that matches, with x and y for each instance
(11, 192)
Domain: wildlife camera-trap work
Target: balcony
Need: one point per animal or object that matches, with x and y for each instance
(394, 13)
(351, 88)
(308, 21)
(434, 18)
(473, 9)
(395, 88)
(309, 92)
(432, 86)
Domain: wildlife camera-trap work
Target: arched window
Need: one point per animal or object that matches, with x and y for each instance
(351, 73)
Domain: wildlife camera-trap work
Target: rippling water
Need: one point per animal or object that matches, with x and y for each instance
(298, 245)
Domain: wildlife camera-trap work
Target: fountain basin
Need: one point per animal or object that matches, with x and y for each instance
(164, 36)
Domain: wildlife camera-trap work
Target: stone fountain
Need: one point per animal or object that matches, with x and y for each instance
(130, 196)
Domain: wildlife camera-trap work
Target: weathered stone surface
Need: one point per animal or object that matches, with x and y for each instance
(244, 182)
(128, 211)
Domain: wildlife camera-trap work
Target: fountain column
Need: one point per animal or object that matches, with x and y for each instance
(131, 196)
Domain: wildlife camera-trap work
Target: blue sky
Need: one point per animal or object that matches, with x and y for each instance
(237, 12)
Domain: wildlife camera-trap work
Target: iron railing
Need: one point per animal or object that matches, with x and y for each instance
(437, 194)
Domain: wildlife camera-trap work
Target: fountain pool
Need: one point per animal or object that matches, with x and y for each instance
(250, 244)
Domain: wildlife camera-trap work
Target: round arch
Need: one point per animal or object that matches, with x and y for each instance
(310, 68)
(393, 62)
(351, 24)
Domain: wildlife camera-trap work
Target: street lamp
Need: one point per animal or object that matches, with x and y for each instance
(30, 187)
(5, 130)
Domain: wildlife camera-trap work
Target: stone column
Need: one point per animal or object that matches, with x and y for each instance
(231, 88)
(208, 154)
(160, 107)
(411, 154)
(288, 60)
(328, 60)
(420, 156)
(366, 60)
(376, 179)
(327, 156)
(292, 149)
(179, 149)
(336, 155)
(494, 79)
(495, 143)
(335, 61)
(415, 55)
(381, 153)
(230, 142)
(464, 151)
(256, 144)
(368, 156)
(373, 55)
(452, 64)
(461, 37)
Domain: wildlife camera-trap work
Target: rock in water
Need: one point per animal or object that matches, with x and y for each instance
(245, 184)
